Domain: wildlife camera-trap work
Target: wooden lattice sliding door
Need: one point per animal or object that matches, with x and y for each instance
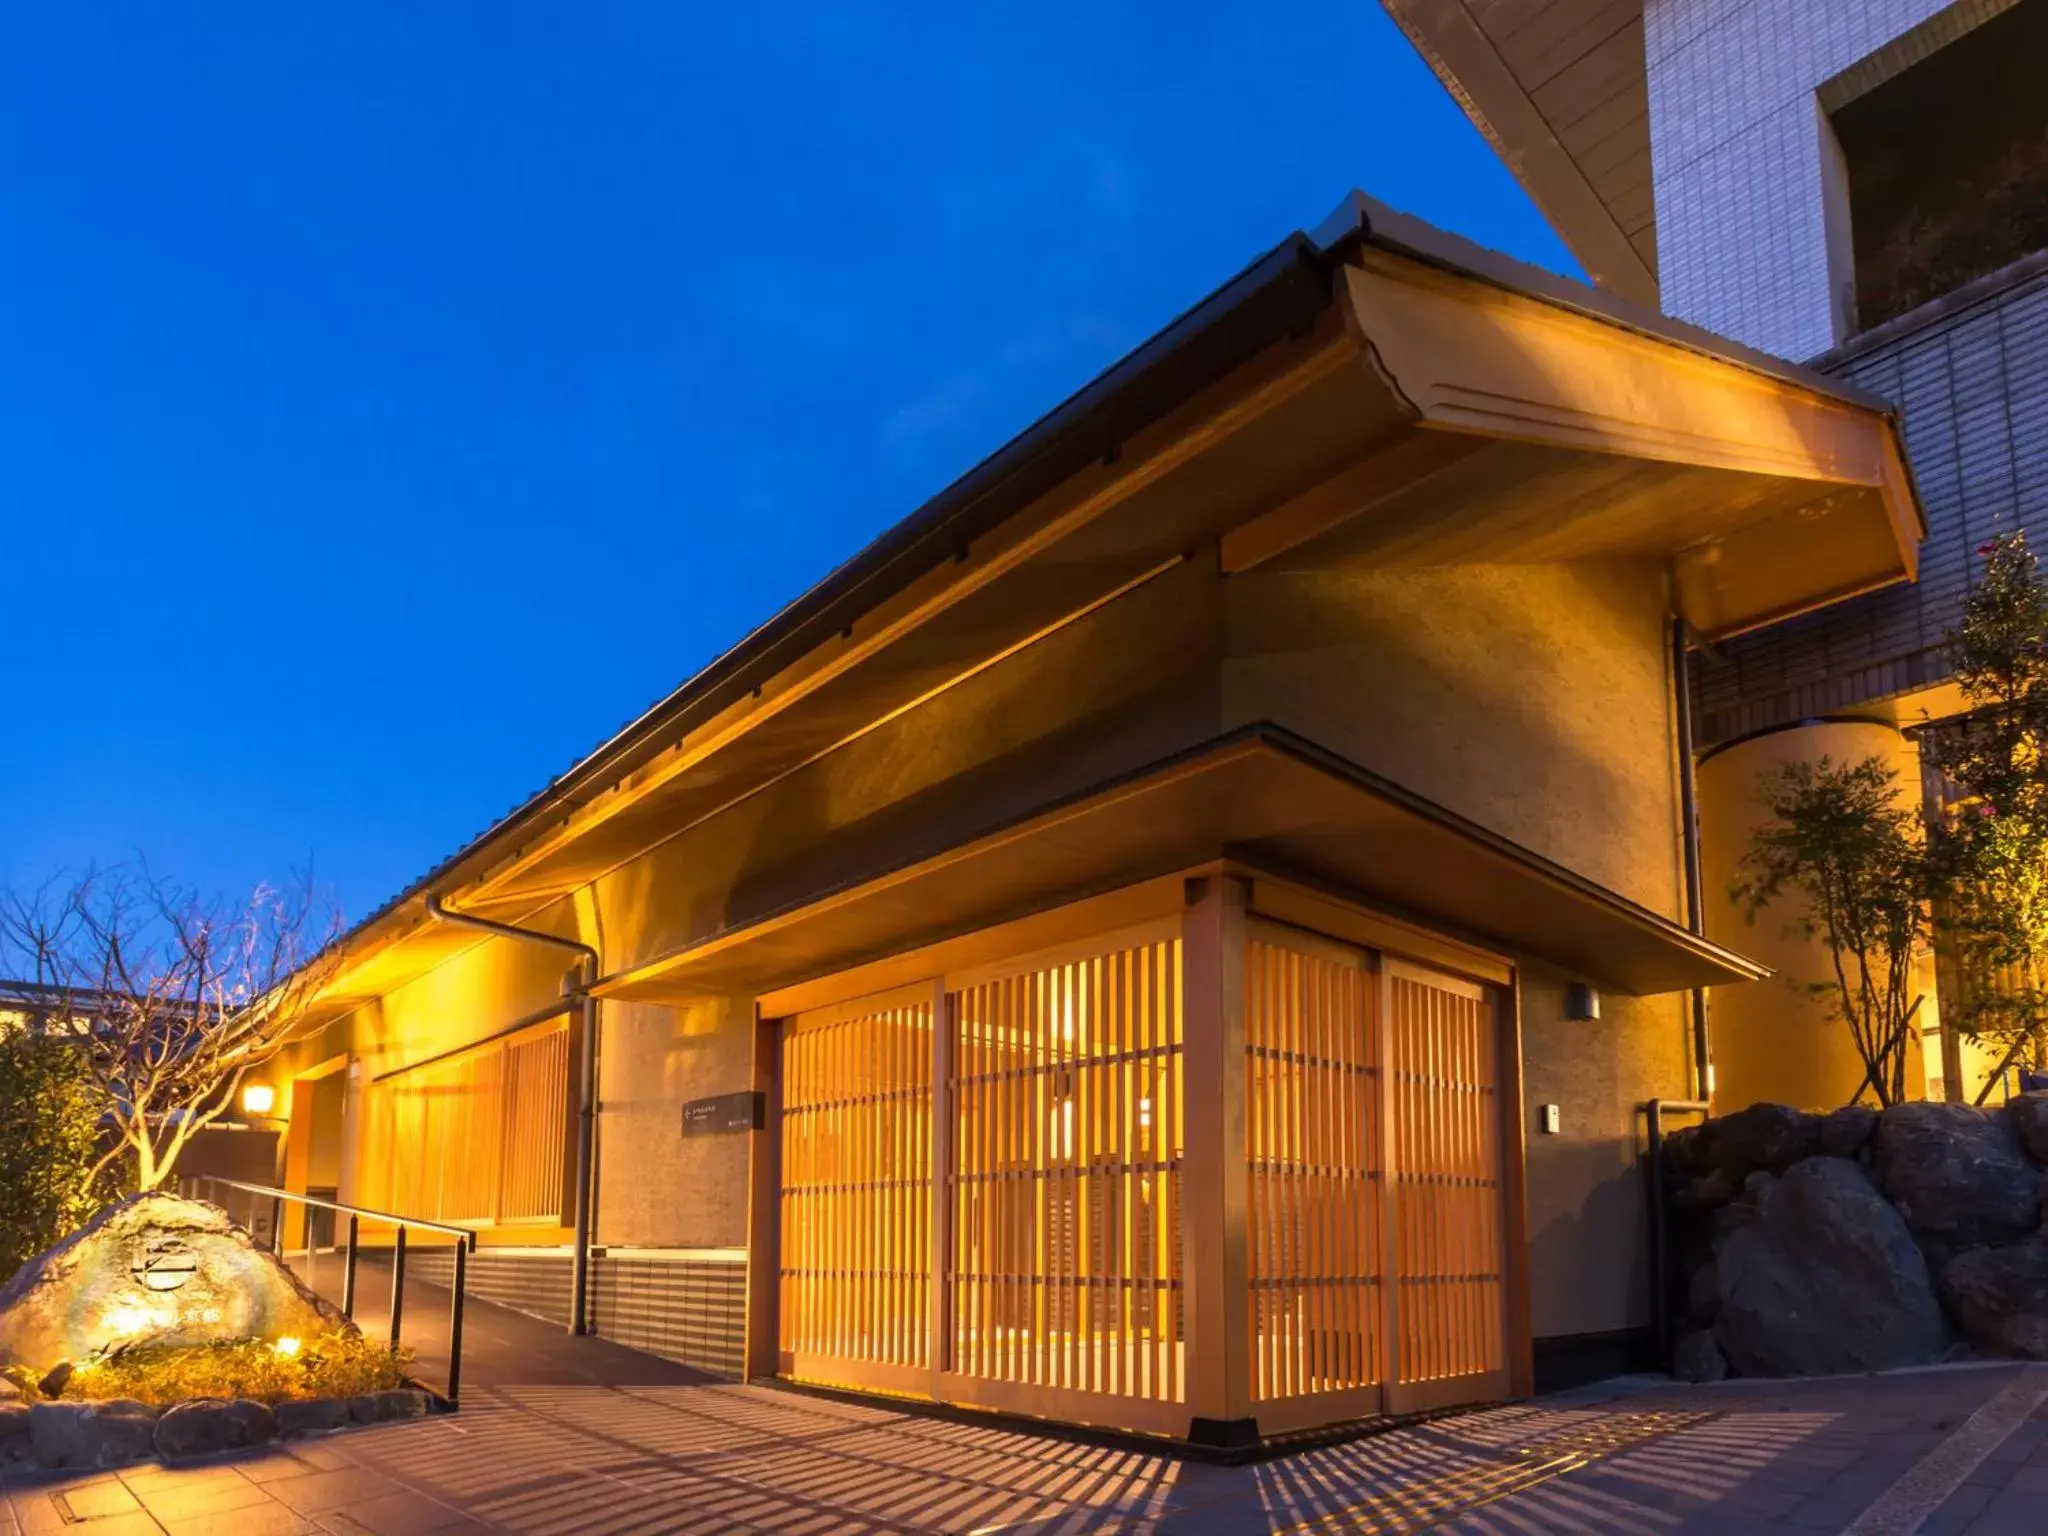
(981, 1191)
(1373, 1142)
(1064, 1287)
(1315, 1207)
(1447, 1227)
(856, 1131)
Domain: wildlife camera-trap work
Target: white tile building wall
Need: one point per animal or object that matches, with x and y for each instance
(1736, 138)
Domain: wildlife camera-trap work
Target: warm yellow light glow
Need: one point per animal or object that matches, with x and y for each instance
(286, 1346)
(258, 1099)
(127, 1320)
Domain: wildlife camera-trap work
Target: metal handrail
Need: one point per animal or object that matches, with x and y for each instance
(464, 1246)
(1663, 1266)
(468, 1234)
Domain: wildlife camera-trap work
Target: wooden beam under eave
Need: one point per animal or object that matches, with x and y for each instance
(1343, 496)
(1469, 356)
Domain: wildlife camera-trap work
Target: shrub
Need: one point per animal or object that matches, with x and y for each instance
(334, 1365)
(50, 1145)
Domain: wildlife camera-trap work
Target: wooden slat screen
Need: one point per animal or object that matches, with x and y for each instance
(536, 1127)
(1441, 1048)
(856, 1193)
(475, 1138)
(1312, 1122)
(1064, 1189)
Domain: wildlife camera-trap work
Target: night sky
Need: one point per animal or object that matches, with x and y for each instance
(395, 400)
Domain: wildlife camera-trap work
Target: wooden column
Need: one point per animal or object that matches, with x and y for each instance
(1215, 1259)
(939, 1233)
(1514, 1193)
(764, 1208)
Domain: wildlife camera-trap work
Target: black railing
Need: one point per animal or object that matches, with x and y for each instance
(1664, 1300)
(465, 1244)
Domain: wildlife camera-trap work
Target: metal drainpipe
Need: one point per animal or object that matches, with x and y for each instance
(586, 1088)
(1689, 817)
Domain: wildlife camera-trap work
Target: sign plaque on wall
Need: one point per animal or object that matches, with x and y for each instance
(727, 1112)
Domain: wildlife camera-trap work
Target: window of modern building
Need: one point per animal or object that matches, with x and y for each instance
(1946, 160)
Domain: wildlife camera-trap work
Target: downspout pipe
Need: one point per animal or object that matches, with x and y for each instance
(1689, 820)
(586, 1085)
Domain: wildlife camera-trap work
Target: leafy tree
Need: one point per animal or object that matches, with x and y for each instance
(1988, 844)
(52, 1175)
(1843, 837)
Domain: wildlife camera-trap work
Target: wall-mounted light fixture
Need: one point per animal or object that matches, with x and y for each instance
(258, 1099)
(1581, 1001)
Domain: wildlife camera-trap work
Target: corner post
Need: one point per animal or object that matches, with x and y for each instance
(1215, 1173)
(764, 1207)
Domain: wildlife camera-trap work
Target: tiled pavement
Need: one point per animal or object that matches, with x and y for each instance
(1765, 1458)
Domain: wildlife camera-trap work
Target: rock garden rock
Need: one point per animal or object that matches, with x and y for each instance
(2029, 1116)
(206, 1425)
(1824, 1278)
(153, 1270)
(400, 1403)
(1957, 1175)
(306, 1418)
(14, 1434)
(1698, 1357)
(1999, 1298)
(121, 1431)
(56, 1437)
(1844, 1132)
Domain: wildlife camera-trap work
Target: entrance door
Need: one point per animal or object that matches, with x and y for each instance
(1062, 1185)
(1375, 1222)
(856, 1193)
(980, 1189)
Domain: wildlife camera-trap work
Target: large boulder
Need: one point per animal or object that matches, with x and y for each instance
(1957, 1175)
(2029, 1116)
(1698, 1358)
(1824, 1278)
(153, 1270)
(1846, 1131)
(1764, 1138)
(1999, 1298)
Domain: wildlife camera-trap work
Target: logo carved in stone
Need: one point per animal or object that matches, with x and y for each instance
(164, 1263)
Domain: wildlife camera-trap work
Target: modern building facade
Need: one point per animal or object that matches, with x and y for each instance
(1857, 185)
(1177, 935)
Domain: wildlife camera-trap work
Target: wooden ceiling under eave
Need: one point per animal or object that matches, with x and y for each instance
(1561, 91)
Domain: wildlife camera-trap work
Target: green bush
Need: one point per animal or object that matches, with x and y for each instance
(51, 1146)
(334, 1365)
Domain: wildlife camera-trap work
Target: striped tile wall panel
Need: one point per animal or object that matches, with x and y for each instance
(687, 1309)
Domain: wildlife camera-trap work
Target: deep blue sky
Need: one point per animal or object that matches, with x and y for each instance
(395, 399)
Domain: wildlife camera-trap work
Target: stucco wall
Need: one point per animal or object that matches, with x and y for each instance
(657, 1187)
(1533, 699)
(1587, 1196)
(1776, 1039)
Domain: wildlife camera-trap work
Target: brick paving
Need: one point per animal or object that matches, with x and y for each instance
(569, 1457)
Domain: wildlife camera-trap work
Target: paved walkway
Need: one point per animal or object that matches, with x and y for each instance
(1966, 1448)
(500, 1347)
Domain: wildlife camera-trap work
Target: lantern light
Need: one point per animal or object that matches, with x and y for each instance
(258, 1099)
